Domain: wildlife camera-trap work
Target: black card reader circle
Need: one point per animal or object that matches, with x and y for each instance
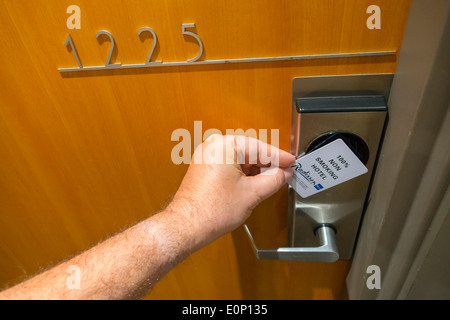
(353, 141)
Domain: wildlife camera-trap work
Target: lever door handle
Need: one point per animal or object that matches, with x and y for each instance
(327, 251)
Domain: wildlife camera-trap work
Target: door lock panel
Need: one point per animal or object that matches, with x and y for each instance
(324, 109)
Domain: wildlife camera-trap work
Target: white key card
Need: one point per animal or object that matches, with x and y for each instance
(324, 168)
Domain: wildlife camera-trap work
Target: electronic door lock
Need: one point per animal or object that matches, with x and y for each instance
(324, 226)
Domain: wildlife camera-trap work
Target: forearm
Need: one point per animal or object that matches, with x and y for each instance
(214, 198)
(124, 266)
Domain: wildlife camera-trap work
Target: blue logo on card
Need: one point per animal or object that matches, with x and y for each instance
(305, 174)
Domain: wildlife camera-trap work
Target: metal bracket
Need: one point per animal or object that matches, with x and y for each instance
(327, 251)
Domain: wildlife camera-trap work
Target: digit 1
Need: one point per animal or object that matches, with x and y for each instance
(74, 50)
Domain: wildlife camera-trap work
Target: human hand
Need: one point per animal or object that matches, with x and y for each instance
(216, 195)
(224, 184)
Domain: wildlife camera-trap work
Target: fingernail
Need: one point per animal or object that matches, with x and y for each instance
(287, 173)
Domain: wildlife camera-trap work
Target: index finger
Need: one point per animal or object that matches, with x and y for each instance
(251, 151)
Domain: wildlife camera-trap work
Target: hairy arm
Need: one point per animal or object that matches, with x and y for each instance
(216, 196)
(124, 266)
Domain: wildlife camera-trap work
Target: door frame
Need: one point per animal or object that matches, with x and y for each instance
(410, 197)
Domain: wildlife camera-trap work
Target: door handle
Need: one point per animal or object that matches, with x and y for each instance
(327, 251)
(326, 109)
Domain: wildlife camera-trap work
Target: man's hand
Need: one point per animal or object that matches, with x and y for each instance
(216, 196)
(224, 183)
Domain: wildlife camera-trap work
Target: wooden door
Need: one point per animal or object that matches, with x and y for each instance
(86, 154)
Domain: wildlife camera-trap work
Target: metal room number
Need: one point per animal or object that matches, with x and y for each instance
(196, 60)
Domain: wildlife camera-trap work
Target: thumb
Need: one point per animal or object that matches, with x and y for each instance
(269, 181)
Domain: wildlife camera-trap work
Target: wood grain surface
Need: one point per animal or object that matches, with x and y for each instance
(86, 154)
